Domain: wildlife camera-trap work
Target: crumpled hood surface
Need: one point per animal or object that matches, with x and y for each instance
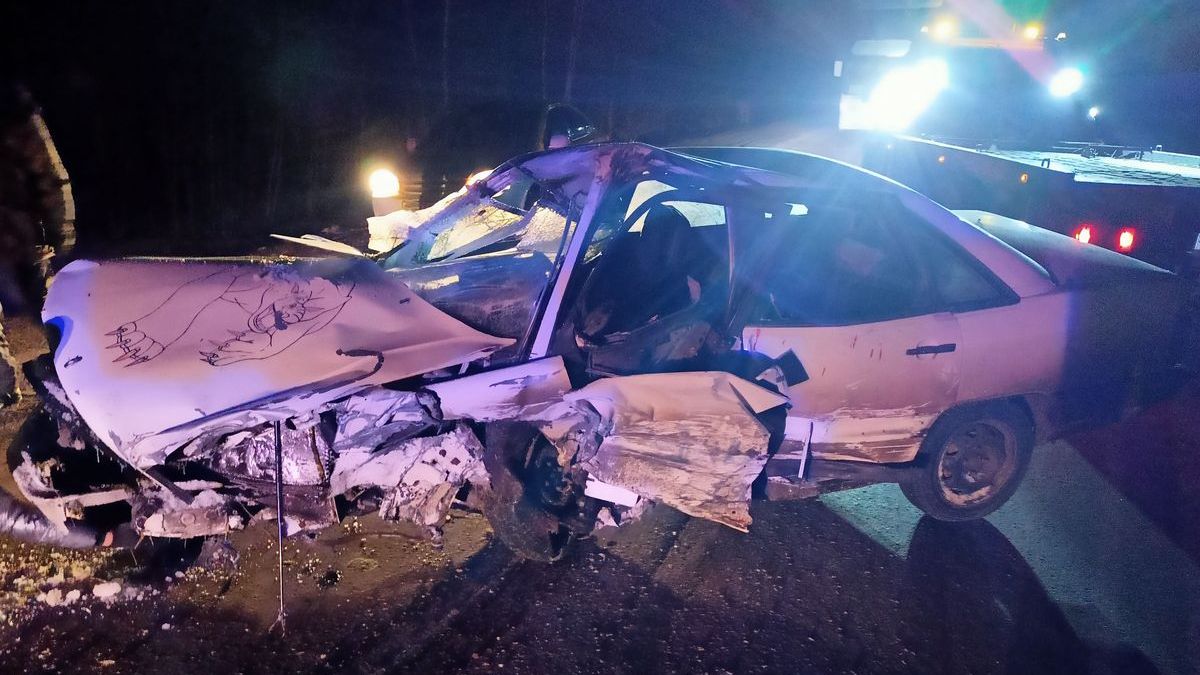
(152, 350)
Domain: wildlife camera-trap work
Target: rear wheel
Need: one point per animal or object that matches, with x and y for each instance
(971, 462)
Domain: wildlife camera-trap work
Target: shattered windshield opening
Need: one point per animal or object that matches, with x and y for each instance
(488, 259)
(520, 216)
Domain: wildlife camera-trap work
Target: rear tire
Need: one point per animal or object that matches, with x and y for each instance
(971, 462)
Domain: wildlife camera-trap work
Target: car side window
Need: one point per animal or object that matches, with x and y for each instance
(666, 252)
(842, 266)
(958, 280)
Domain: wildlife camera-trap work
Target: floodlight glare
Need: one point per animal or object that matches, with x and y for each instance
(905, 92)
(1066, 82)
(383, 184)
(944, 29)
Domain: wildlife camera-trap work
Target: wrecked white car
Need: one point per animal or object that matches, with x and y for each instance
(585, 332)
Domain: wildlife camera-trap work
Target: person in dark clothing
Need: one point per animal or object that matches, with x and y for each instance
(37, 230)
(37, 215)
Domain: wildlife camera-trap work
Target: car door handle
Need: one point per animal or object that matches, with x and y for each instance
(932, 349)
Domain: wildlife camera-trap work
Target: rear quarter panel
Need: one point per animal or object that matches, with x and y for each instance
(1081, 347)
(1014, 350)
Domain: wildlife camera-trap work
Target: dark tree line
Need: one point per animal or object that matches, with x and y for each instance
(197, 123)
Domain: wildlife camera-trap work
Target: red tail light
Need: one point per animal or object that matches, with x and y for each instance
(1084, 234)
(1126, 239)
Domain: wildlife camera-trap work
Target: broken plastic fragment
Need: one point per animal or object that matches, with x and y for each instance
(106, 590)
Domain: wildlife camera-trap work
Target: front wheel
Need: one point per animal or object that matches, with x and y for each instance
(971, 462)
(534, 508)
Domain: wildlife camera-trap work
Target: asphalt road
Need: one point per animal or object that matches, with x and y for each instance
(1092, 567)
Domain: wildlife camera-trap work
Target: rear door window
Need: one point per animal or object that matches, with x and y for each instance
(826, 260)
(837, 265)
(960, 282)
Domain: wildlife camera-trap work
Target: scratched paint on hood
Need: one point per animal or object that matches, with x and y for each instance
(157, 346)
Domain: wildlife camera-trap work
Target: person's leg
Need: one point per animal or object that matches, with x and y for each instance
(9, 394)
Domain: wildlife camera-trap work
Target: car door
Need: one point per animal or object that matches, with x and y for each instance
(652, 303)
(851, 301)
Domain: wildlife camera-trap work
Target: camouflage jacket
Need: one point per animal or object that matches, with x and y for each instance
(36, 206)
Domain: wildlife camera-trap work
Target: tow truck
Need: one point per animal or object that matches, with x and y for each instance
(968, 107)
(1144, 202)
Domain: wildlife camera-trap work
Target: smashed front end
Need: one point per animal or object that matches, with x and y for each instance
(200, 390)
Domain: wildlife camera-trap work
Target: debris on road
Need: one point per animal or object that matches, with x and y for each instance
(106, 590)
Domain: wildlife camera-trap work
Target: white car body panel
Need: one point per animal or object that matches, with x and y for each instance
(1015, 350)
(867, 398)
(161, 356)
(179, 341)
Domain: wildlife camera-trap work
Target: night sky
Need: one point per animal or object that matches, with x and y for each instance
(201, 118)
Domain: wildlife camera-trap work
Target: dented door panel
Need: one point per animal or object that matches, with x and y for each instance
(874, 389)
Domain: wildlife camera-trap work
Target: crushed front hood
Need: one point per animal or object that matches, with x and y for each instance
(152, 351)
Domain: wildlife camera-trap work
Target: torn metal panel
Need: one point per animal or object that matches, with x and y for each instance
(250, 453)
(25, 524)
(690, 440)
(512, 393)
(34, 482)
(419, 476)
(198, 347)
(571, 429)
(368, 419)
(606, 492)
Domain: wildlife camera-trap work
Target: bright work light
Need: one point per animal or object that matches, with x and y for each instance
(1066, 82)
(905, 92)
(383, 183)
